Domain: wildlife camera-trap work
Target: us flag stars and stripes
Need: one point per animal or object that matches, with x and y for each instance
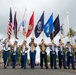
(9, 29)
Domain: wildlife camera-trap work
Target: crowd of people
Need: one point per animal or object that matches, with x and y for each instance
(64, 52)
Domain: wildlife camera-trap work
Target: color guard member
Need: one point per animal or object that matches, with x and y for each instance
(70, 55)
(33, 46)
(24, 50)
(14, 54)
(61, 55)
(53, 55)
(6, 52)
(43, 54)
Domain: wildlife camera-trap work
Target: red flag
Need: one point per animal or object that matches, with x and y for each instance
(9, 29)
(15, 26)
(31, 25)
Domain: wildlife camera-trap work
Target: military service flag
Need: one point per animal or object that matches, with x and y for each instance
(48, 27)
(39, 27)
(64, 28)
(56, 28)
(15, 26)
(31, 26)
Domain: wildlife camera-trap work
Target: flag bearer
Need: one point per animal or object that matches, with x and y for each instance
(14, 54)
(43, 54)
(33, 46)
(61, 55)
(6, 52)
(24, 49)
(75, 51)
(53, 55)
(70, 55)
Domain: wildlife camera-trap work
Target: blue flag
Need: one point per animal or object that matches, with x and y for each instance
(39, 27)
(48, 27)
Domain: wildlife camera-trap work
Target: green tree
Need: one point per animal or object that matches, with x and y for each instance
(72, 32)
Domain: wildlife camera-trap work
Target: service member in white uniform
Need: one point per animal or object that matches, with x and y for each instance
(24, 51)
(6, 52)
(14, 54)
(70, 55)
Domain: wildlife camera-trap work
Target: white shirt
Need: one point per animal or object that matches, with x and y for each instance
(15, 49)
(6, 48)
(24, 50)
(61, 47)
(53, 48)
(69, 48)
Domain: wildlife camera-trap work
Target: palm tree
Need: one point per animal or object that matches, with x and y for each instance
(72, 32)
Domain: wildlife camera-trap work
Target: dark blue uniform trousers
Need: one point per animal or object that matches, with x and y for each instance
(23, 60)
(5, 57)
(70, 59)
(32, 58)
(14, 59)
(53, 59)
(61, 58)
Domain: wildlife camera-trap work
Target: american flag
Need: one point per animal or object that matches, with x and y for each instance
(9, 29)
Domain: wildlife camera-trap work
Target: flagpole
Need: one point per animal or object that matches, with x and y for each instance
(24, 37)
(68, 26)
(22, 20)
(43, 32)
(33, 30)
(70, 39)
(43, 27)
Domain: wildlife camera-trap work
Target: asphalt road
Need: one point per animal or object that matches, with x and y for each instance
(36, 71)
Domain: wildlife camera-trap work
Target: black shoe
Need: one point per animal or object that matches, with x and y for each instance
(4, 67)
(55, 68)
(68, 67)
(24, 67)
(13, 67)
(65, 68)
(32, 68)
(74, 68)
(41, 67)
(21, 67)
(46, 67)
(60, 67)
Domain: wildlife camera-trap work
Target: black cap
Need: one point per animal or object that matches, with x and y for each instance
(24, 41)
(42, 39)
(32, 38)
(16, 41)
(59, 40)
(68, 42)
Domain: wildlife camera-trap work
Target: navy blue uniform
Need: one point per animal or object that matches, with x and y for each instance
(32, 58)
(32, 54)
(53, 56)
(6, 53)
(14, 57)
(23, 58)
(70, 57)
(61, 57)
